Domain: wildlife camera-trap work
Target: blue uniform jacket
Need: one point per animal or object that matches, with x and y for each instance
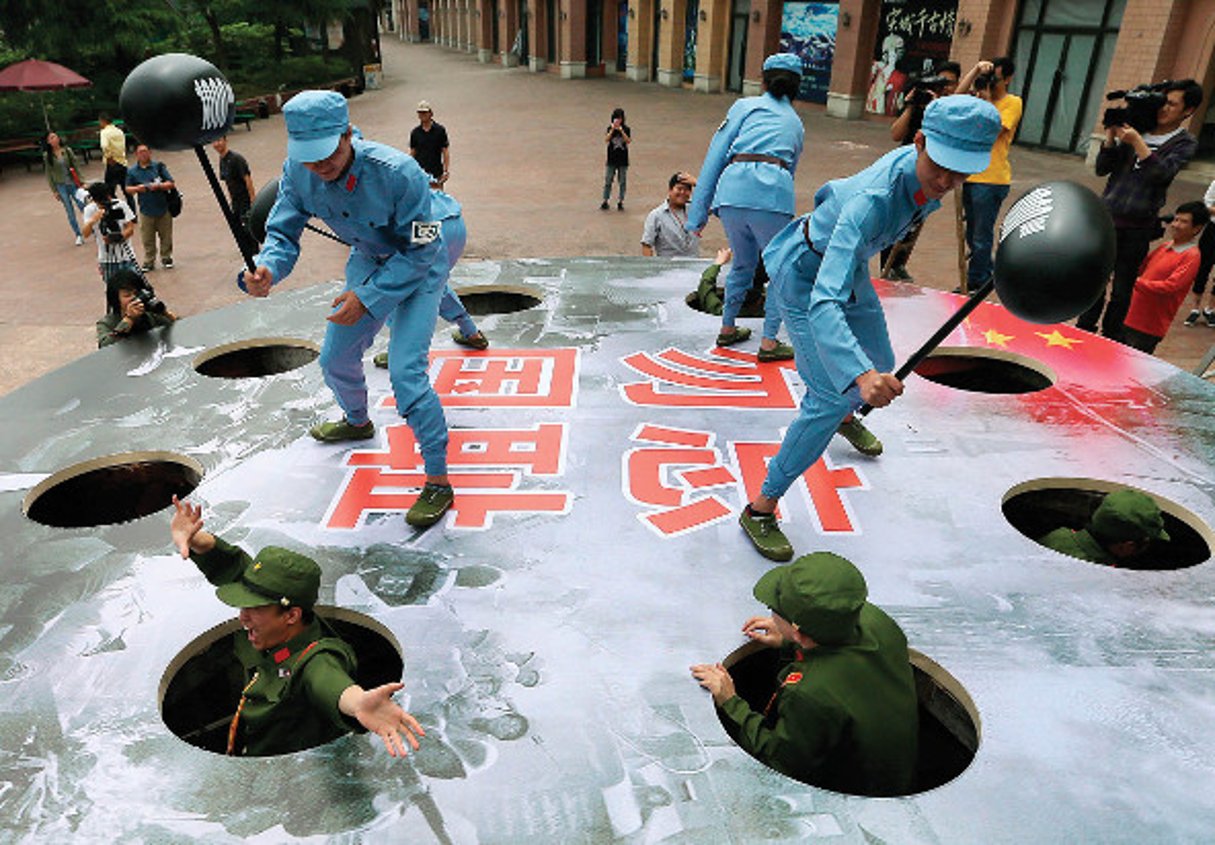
(853, 220)
(762, 125)
(381, 207)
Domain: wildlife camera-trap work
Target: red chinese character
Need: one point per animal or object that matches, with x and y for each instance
(504, 378)
(830, 511)
(389, 480)
(730, 379)
(668, 475)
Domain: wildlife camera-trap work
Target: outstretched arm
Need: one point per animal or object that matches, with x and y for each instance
(378, 713)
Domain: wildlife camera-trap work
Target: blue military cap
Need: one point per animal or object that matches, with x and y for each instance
(316, 121)
(959, 131)
(784, 61)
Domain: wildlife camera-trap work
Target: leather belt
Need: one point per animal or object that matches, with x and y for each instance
(806, 233)
(757, 157)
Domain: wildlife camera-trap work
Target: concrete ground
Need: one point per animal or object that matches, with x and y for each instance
(527, 165)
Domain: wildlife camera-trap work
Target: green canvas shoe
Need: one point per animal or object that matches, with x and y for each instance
(739, 335)
(861, 438)
(476, 341)
(766, 535)
(381, 360)
(780, 352)
(336, 432)
(434, 501)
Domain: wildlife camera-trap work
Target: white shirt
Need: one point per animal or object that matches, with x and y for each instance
(108, 253)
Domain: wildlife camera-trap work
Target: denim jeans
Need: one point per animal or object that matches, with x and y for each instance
(67, 196)
(621, 173)
(981, 204)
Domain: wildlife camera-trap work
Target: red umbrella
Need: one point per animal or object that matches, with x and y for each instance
(36, 75)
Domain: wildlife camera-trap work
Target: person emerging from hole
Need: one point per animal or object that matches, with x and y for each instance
(299, 691)
(844, 714)
(819, 266)
(1121, 529)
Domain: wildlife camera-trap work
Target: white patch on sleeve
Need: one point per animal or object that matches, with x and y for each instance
(422, 232)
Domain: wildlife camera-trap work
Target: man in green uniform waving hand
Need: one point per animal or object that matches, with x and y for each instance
(844, 714)
(299, 690)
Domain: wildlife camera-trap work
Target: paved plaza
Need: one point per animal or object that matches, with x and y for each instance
(527, 165)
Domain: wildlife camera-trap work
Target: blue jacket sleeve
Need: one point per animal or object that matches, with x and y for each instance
(716, 159)
(860, 221)
(284, 225)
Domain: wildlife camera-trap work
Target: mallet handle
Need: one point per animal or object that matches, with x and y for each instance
(233, 223)
(943, 332)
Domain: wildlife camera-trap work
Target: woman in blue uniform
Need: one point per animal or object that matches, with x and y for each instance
(747, 181)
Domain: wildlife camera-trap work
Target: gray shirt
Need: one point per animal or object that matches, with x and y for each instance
(664, 232)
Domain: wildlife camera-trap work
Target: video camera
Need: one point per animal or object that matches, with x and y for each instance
(110, 225)
(922, 90)
(1143, 104)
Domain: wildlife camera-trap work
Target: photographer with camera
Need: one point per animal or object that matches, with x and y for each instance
(114, 224)
(1144, 147)
(917, 94)
(985, 192)
(132, 307)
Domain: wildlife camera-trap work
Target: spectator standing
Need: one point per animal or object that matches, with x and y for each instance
(1140, 169)
(59, 162)
(235, 174)
(110, 219)
(428, 144)
(1166, 276)
(1206, 249)
(664, 234)
(619, 136)
(902, 132)
(985, 192)
(113, 143)
(151, 182)
(747, 181)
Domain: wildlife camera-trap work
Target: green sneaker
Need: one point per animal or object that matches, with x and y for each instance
(335, 432)
(381, 360)
(861, 438)
(476, 341)
(434, 501)
(739, 335)
(766, 535)
(780, 352)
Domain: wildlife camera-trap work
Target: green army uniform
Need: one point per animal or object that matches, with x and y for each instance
(1123, 515)
(109, 333)
(710, 298)
(1079, 544)
(291, 699)
(845, 714)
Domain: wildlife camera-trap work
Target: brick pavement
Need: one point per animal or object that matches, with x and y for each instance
(527, 164)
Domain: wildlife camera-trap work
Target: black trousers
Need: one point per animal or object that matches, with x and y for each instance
(1132, 248)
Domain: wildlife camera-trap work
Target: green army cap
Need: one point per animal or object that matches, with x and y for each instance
(276, 576)
(821, 594)
(1128, 515)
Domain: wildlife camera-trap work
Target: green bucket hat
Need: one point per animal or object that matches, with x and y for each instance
(821, 594)
(276, 576)
(1128, 515)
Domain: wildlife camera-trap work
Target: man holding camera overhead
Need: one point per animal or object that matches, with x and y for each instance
(1141, 165)
(114, 223)
(985, 192)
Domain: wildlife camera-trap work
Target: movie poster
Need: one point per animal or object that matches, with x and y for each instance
(912, 36)
(808, 30)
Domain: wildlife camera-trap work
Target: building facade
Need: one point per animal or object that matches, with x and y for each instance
(857, 54)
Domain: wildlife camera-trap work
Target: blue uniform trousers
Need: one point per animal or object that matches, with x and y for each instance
(412, 323)
(823, 408)
(451, 309)
(748, 230)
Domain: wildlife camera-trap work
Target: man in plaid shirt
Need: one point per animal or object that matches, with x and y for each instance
(1140, 168)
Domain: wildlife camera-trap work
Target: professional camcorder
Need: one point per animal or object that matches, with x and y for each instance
(921, 90)
(1143, 104)
(111, 222)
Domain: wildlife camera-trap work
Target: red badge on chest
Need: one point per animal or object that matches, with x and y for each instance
(792, 678)
(282, 654)
(351, 182)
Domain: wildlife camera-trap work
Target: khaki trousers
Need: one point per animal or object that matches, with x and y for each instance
(149, 228)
